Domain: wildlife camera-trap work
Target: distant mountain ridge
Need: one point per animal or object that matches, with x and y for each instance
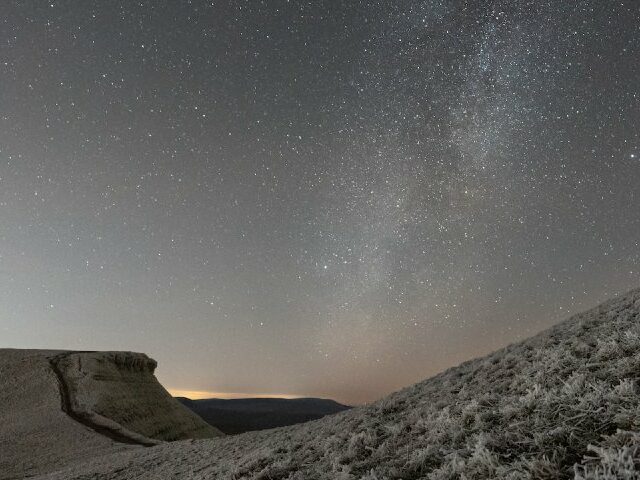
(233, 416)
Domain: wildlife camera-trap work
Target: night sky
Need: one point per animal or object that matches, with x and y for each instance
(327, 198)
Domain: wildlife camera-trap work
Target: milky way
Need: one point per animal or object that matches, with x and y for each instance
(331, 198)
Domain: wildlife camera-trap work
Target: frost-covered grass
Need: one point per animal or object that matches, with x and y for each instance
(563, 404)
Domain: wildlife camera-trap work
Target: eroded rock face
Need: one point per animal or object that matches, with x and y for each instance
(61, 408)
(36, 435)
(118, 391)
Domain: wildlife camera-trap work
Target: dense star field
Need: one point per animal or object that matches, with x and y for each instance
(329, 198)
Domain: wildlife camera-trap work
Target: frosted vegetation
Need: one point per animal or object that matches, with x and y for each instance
(563, 404)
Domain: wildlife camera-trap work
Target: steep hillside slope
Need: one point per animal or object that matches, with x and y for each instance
(36, 435)
(249, 414)
(562, 404)
(57, 408)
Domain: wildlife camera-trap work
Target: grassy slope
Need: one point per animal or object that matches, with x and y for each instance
(562, 404)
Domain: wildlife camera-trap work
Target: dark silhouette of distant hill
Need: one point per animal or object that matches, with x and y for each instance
(246, 414)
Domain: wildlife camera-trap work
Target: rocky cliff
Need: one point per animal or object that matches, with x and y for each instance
(118, 391)
(58, 408)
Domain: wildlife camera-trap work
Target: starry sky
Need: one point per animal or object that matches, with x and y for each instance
(330, 198)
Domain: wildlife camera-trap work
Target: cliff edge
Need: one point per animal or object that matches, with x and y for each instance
(60, 407)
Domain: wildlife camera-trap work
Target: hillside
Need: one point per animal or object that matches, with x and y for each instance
(562, 404)
(248, 414)
(58, 408)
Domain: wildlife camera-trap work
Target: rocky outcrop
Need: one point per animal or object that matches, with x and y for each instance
(58, 408)
(118, 393)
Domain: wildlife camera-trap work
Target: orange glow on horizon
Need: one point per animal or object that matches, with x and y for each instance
(199, 394)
